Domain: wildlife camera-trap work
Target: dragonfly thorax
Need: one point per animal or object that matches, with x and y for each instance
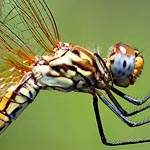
(68, 69)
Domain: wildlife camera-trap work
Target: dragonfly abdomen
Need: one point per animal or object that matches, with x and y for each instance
(16, 100)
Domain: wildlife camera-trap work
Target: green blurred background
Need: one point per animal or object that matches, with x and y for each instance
(66, 121)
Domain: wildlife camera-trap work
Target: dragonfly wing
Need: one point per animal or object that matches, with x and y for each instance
(32, 22)
(27, 29)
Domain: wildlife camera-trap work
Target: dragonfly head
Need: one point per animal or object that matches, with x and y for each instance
(125, 64)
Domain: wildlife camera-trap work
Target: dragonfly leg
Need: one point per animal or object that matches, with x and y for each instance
(101, 132)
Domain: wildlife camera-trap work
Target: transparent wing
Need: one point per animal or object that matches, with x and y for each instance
(27, 29)
(32, 22)
(1, 1)
(15, 62)
(9, 78)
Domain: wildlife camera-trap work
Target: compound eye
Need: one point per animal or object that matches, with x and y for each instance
(124, 49)
(123, 65)
(123, 60)
(126, 64)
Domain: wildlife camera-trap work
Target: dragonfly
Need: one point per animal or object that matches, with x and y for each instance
(33, 58)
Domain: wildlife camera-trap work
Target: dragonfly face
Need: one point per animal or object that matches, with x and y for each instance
(33, 58)
(125, 63)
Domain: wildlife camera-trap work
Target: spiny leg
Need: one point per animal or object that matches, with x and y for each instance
(130, 99)
(119, 107)
(101, 132)
(119, 114)
(102, 67)
(98, 119)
